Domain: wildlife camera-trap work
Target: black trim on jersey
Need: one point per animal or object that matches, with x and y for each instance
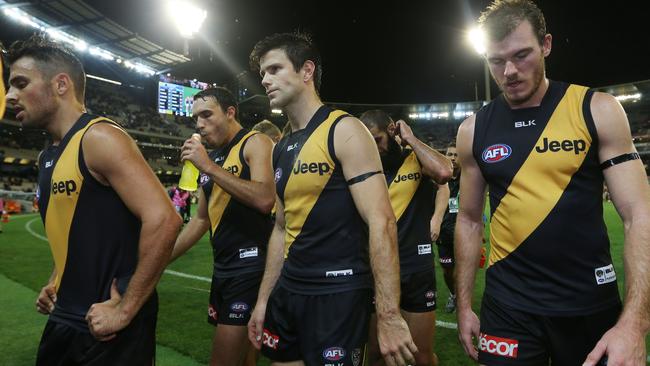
(619, 159)
(54, 152)
(588, 117)
(492, 117)
(330, 139)
(303, 135)
(362, 177)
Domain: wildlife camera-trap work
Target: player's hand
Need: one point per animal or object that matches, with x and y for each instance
(435, 228)
(256, 325)
(106, 318)
(194, 151)
(46, 299)
(468, 331)
(404, 132)
(395, 342)
(622, 346)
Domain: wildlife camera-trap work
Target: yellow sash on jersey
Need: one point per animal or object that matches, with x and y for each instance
(219, 198)
(404, 185)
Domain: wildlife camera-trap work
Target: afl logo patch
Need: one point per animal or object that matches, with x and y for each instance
(496, 153)
(278, 174)
(203, 179)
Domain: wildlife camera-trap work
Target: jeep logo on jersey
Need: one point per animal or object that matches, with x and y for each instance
(233, 169)
(498, 346)
(302, 168)
(334, 353)
(576, 146)
(239, 307)
(67, 187)
(405, 177)
(496, 153)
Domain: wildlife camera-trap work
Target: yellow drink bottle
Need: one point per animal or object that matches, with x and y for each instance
(190, 174)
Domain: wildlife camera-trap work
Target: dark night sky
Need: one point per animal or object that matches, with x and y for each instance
(409, 51)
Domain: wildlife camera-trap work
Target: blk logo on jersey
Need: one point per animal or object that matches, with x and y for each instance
(68, 187)
(577, 146)
(498, 346)
(520, 124)
(302, 168)
(49, 163)
(334, 354)
(496, 153)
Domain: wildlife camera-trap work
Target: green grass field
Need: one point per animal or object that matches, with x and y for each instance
(184, 336)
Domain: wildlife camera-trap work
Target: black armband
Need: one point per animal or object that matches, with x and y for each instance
(362, 177)
(619, 159)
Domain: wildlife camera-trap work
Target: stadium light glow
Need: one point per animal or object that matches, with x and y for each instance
(103, 79)
(628, 97)
(79, 44)
(187, 16)
(476, 38)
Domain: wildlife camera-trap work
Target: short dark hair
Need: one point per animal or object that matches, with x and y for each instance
(267, 127)
(299, 48)
(51, 58)
(377, 118)
(221, 95)
(501, 17)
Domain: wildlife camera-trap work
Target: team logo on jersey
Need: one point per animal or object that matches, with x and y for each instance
(203, 179)
(496, 153)
(356, 357)
(577, 146)
(278, 174)
(498, 346)
(605, 274)
(334, 353)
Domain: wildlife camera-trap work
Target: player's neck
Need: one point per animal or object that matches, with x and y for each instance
(233, 129)
(302, 110)
(63, 120)
(535, 100)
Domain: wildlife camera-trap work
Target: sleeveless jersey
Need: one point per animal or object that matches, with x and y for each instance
(239, 234)
(93, 235)
(411, 197)
(549, 246)
(326, 243)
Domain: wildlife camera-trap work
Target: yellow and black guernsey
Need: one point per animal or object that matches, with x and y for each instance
(326, 239)
(549, 246)
(411, 196)
(239, 234)
(93, 235)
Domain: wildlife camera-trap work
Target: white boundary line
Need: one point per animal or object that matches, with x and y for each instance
(439, 323)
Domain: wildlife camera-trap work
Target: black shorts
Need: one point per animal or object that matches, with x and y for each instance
(135, 345)
(232, 299)
(419, 291)
(513, 337)
(445, 244)
(318, 329)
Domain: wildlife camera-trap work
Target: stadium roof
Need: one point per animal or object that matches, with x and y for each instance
(78, 19)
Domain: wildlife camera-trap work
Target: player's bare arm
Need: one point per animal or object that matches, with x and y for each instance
(624, 344)
(356, 150)
(194, 230)
(114, 159)
(259, 191)
(434, 164)
(467, 237)
(440, 207)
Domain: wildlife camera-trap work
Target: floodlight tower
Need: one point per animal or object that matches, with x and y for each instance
(187, 17)
(476, 38)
